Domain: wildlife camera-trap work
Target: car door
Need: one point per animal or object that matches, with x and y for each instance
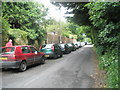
(57, 49)
(27, 55)
(36, 54)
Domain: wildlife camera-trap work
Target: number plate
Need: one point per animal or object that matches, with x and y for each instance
(2, 58)
(46, 55)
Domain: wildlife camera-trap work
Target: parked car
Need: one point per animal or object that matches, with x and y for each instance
(65, 48)
(72, 46)
(76, 46)
(20, 57)
(79, 44)
(82, 43)
(85, 43)
(51, 50)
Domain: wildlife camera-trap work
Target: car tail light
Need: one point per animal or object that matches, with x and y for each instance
(12, 58)
(52, 48)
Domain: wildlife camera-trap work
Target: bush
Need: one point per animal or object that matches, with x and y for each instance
(109, 63)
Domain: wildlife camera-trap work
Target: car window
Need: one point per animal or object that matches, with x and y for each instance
(33, 49)
(47, 46)
(57, 46)
(70, 44)
(25, 50)
(66, 45)
(62, 45)
(7, 50)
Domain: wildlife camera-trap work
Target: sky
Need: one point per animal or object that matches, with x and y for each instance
(54, 11)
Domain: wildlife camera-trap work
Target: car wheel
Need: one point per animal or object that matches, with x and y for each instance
(61, 55)
(68, 52)
(23, 66)
(55, 56)
(43, 60)
(4, 69)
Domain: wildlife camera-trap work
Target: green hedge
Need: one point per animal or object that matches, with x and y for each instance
(109, 63)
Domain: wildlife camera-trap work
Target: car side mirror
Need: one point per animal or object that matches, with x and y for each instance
(36, 52)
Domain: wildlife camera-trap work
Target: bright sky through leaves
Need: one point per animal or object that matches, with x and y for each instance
(54, 11)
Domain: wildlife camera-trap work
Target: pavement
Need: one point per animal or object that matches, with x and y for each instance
(73, 70)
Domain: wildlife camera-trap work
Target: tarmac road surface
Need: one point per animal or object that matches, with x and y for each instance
(73, 70)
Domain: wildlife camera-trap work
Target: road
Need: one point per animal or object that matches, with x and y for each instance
(73, 70)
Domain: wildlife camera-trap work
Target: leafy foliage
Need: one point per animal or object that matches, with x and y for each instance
(5, 28)
(69, 30)
(25, 17)
(105, 17)
(109, 62)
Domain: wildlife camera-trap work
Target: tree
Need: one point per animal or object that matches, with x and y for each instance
(81, 16)
(26, 16)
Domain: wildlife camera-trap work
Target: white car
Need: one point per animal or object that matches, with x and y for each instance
(82, 43)
(79, 44)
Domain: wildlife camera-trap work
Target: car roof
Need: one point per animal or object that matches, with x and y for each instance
(48, 44)
(62, 43)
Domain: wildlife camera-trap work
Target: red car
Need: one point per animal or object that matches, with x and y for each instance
(20, 57)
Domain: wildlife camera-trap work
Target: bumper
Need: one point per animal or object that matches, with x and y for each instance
(10, 64)
(49, 55)
(65, 52)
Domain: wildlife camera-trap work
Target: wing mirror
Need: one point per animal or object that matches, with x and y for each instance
(36, 52)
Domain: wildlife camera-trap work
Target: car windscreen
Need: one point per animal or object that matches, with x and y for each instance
(7, 50)
(47, 46)
(69, 44)
(62, 45)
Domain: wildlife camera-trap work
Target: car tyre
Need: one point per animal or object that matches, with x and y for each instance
(4, 69)
(68, 52)
(56, 56)
(43, 60)
(61, 55)
(23, 66)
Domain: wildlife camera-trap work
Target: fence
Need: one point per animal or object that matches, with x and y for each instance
(54, 38)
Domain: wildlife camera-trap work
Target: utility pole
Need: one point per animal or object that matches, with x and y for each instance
(46, 41)
(60, 31)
